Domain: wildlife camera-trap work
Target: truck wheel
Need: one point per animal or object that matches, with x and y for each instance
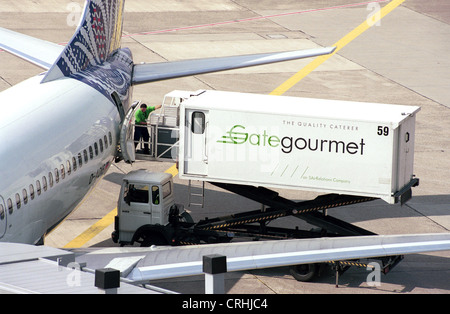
(153, 239)
(304, 272)
(186, 217)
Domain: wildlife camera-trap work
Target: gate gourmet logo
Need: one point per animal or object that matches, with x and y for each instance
(237, 135)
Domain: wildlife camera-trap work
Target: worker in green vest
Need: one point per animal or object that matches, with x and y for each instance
(140, 130)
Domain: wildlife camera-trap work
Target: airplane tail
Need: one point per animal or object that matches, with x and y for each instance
(97, 37)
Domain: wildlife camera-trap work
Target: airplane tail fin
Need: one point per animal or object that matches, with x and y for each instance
(97, 37)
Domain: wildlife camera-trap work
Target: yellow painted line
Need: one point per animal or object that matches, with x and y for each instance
(172, 170)
(92, 231)
(288, 84)
(103, 223)
(344, 41)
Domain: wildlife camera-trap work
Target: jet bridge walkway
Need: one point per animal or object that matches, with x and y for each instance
(159, 262)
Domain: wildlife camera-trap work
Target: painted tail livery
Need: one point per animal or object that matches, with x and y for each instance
(96, 39)
(93, 56)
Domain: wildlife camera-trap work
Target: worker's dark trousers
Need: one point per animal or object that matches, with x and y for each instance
(141, 132)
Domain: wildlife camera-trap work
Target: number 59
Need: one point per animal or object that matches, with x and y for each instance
(383, 130)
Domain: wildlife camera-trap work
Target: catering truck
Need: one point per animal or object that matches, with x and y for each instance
(349, 152)
(321, 145)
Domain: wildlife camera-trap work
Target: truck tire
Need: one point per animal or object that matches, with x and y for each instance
(186, 217)
(304, 272)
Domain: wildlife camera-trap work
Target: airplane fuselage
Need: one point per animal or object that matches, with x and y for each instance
(56, 139)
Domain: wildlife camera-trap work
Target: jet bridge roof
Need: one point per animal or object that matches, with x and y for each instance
(142, 264)
(28, 269)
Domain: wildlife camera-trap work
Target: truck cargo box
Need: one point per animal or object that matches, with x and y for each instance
(328, 146)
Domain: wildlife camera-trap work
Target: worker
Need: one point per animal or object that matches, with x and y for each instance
(140, 130)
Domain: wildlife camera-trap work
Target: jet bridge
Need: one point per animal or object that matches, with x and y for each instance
(157, 262)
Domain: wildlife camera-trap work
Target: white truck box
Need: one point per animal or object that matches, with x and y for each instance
(329, 146)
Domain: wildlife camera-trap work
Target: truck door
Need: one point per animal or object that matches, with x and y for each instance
(2, 217)
(135, 207)
(196, 145)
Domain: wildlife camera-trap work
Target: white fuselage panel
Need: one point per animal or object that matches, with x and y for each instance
(47, 171)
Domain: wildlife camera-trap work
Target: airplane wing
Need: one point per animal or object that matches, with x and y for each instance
(151, 72)
(44, 54)
(37, 51)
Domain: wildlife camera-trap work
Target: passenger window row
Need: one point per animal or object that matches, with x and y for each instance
(56, 176)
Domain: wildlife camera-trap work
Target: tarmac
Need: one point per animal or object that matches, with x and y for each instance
(402, 59)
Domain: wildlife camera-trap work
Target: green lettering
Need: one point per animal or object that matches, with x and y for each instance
(274, 141)
(257, 139)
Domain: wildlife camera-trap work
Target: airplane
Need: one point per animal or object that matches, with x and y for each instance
(59, 130)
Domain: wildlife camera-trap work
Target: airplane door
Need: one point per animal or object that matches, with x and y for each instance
(196, 149)
(2, 217)
(126, 137)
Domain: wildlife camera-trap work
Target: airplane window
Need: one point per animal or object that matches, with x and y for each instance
(96, 148)
(25, 196)
(85, 156)
(91, 152)
(80, 160)
(18, 202)
(56, 175)
(38, 187)
(50, 179)
(63, 172)
(44, 183)
(110, 138)
(10, 206)
(105, 139)
(101, 145)
(74, 162)
(69, 168)
(32, 191)
(2, 212)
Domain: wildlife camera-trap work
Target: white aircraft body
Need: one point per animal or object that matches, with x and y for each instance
(59, 130)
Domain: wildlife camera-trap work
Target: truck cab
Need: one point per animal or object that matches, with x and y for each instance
(145, 201)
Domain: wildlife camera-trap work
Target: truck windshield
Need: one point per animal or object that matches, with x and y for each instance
(136, 193)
